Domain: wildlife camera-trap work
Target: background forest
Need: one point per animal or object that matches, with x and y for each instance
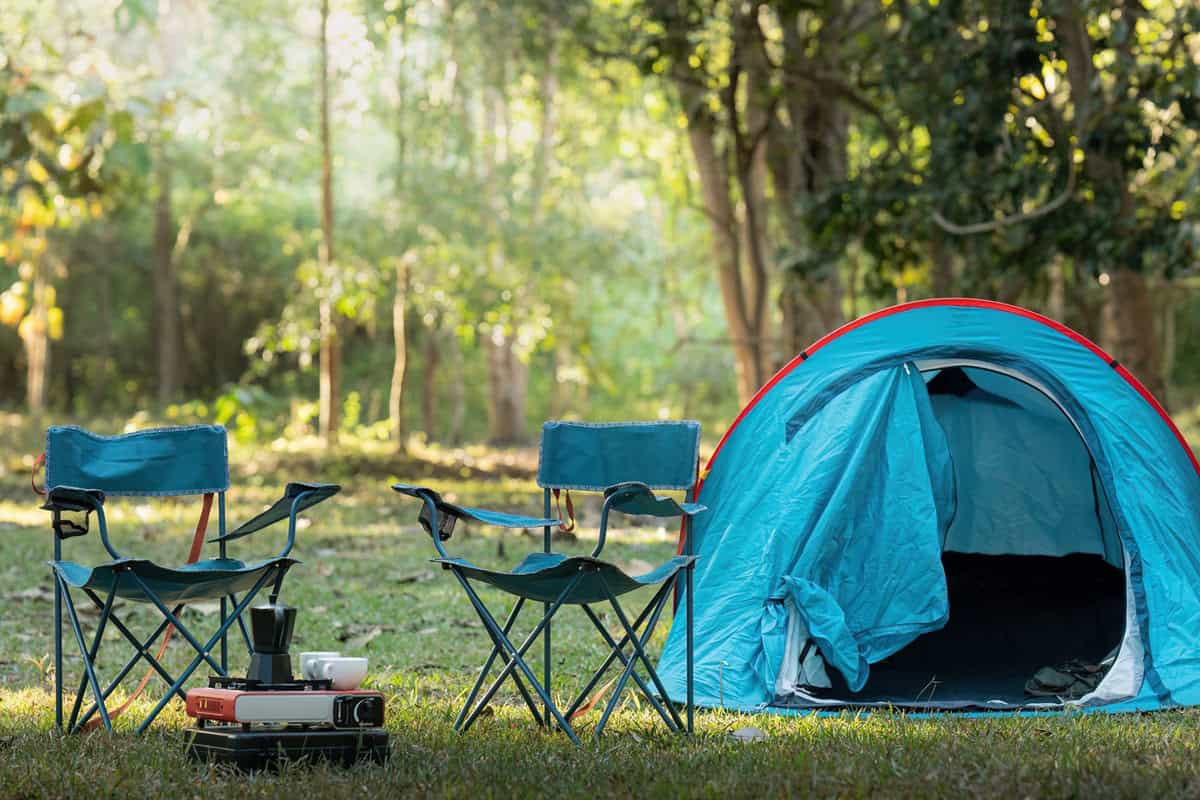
(455, 219)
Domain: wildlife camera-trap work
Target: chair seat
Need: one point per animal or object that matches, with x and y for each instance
(208, 579)
(544, 576)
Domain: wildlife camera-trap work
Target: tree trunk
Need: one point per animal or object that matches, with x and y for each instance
(507, 374)
(545, 149)
(739, 242)
(506, 389)
(1167, 302)
(165, 281)
(432, 361)
(807, 155)
(1056, 295)
(400, 357)
(458, 393)
(35, 334)
(1128, 317)
(1130, 333)
(330, 344)
(942, 267)
(751, 161)
(725, 241)
(558, 400)
(403, 266)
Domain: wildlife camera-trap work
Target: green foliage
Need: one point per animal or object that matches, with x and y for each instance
(524, 168)
(1005, 129)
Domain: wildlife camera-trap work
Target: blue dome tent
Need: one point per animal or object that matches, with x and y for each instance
(934, 502)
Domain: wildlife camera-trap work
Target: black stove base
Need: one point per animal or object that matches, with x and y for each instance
(254, 748)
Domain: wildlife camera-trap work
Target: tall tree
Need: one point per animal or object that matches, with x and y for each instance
(60, 133)
(330, 342)
(403, 269)
(508, 374)
(714, 124)
(400, 352)
(169, 32)
(1051, 156)
(165, 281)
(765, 88)
(1129, 312)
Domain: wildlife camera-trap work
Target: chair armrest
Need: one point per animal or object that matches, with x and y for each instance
(636, 499)
(73, 500)
(296, 498)
(68, 498)
(453, 511)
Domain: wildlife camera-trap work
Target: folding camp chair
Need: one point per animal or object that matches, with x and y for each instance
(624, 461)
(81, 469)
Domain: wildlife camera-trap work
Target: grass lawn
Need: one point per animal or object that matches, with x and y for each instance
(367, 586)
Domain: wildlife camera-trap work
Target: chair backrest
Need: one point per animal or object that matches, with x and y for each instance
(596, 455)
(192, 459)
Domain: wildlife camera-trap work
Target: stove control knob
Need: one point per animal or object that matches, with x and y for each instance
(366, 711)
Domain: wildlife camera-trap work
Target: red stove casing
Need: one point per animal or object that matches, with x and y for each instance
(325, 707)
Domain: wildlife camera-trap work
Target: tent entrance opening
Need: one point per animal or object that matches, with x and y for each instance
(1034, 567)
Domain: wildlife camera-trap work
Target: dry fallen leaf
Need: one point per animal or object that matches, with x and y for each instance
(749, 734)
(206, 608)
(354, 643)
(36, 593)
(416, 577)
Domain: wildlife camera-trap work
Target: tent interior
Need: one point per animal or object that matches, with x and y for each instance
(1033, 564)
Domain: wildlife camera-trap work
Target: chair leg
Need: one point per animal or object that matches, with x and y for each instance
(105, 611)
(58, 654)
(224, 638)
(242, 626)
(546, 662)
(202, 652)
(672, 722)
(547, 543)
(516, 653)
(507, 672)
(142, 649)
(491, 659)
(612, 656)
(221, 552)
(691, 660)
(88, 668)
(487, 666)
(638, 644)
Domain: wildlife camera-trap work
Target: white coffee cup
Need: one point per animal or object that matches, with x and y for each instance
(345, 672)
(309, 668)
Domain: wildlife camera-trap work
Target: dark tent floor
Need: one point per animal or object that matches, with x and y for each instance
(1009, 616)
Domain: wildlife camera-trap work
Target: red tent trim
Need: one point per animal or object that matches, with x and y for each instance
(959, 302)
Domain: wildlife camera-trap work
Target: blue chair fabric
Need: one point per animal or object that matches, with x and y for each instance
(594, 456)
(161, 461)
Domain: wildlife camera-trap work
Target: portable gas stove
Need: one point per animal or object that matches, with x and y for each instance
(258, 722)
(254, 725)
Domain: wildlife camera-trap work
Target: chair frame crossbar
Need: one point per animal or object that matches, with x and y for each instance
(142, 647)
(514, 664)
